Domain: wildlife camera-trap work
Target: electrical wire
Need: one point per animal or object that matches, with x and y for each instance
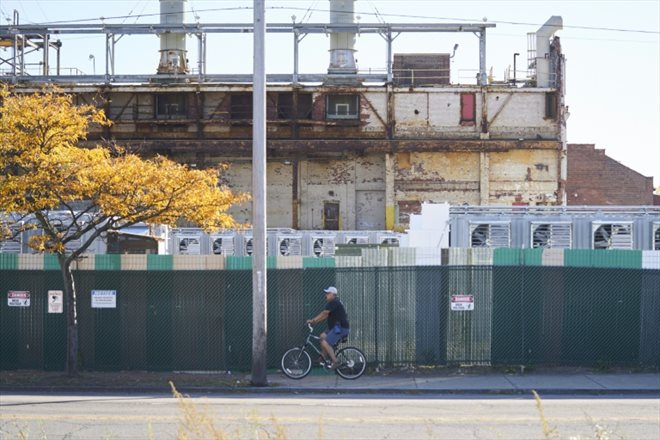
(366, 13)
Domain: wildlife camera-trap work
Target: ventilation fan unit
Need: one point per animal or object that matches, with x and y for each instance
(612, 235)
(289, 245)
(13, 245)
(494, 234)
(656, 236)
(552, 235)
(356, 239)
(389, 239)
(188, 241)
(222, 244)
(248, 245)
(323, 246)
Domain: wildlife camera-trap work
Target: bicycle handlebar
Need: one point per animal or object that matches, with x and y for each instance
(309, 326)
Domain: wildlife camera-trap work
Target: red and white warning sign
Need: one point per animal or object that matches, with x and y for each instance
(462, 302)
(18, 298)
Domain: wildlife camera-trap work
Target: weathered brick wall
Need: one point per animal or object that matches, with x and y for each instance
(596, 179)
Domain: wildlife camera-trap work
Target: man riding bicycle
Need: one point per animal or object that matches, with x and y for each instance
(338, 327)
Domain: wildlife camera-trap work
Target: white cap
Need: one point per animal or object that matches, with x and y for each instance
(331, 289)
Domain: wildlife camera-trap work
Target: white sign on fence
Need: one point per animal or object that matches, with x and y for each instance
(462, 302)
(18, 298)
(55, 301)
(104, 299)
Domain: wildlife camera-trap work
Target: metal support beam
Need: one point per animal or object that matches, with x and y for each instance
(483, 78)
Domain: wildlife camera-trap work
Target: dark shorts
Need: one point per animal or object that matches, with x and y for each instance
(335, 334)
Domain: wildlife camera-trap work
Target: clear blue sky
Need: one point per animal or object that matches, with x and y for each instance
(612, 50)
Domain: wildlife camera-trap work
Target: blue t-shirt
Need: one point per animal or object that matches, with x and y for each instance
(337, 314)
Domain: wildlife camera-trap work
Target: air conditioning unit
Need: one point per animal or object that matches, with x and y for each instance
(611, 235)
(356, 238)
(557, 235)
(322, 245)
(656, 236)
(248, 246)
(188, 241)
(289, 245)
(12, 245)
(491, 234)
(222, 244)
(388, 238)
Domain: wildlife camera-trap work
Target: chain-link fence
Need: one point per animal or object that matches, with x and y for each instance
(202, 320)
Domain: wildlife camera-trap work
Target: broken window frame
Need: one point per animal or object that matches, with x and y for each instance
(351, 102)
(241, 106)
(170, 106)
(285, 106)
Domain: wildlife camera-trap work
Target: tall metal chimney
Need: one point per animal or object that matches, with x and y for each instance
(173, 54)
(342, 52)
(543, 36)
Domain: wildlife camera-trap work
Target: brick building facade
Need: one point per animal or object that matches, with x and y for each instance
(596, 179)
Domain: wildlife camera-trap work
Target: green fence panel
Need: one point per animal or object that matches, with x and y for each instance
(8, 261)
(202, 319)
(432, 301)
(107, 262)
(160, 262)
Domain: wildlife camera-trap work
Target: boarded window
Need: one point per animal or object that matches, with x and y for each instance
(286, 106)
(342, 106)
(241, 106)
(468, 107)
(170, 105)
(551, 105)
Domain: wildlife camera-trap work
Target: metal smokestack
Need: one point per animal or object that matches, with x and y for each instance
(342, 52)
(173, 54)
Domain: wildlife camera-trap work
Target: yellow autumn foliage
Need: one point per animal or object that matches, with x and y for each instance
(42, 168)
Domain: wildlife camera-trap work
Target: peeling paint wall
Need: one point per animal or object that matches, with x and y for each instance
(528, 177)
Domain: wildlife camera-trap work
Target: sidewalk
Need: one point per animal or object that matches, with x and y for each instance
(495, 383)
(321, 382)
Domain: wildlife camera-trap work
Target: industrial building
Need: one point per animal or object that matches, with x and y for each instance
(346, 150)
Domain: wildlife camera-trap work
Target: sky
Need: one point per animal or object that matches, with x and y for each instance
(612, 51)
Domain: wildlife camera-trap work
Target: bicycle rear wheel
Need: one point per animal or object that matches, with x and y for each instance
(352, 363)
(296, 363)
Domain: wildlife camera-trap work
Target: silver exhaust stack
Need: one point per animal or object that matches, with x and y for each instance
(173, 54)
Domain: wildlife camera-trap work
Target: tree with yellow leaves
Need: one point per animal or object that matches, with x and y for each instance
(93, 190)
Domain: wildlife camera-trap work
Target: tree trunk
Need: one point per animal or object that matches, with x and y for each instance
(71, 317)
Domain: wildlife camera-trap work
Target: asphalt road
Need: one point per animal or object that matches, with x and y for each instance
(116, 416)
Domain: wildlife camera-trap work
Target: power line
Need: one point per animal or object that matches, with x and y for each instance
(378, 15)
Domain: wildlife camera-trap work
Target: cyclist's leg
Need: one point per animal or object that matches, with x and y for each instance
(328, 340)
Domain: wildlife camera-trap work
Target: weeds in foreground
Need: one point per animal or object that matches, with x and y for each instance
(548, 432)
(199, 425)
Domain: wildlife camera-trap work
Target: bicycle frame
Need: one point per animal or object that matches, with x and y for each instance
(309, 343)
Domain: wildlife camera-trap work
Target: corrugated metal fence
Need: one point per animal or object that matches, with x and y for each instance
(201, 319)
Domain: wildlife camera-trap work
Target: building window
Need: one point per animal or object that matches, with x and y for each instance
(171, 105)
(342, 106)
(241, 106)
(468, 108)
(285, 106)
(551, 105)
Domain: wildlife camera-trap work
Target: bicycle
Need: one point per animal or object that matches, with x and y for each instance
(297, 363)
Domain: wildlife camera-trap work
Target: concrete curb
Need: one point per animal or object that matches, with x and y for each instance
(275, 390)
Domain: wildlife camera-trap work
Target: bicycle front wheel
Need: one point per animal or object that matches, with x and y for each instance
(352, 363)
(296, 363)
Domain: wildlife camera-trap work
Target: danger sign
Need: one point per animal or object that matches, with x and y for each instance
(18, 298)
(462, 302)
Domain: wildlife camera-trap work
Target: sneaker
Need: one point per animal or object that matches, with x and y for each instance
(334, 365)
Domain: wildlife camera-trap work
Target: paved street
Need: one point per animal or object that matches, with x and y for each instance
(117, 416)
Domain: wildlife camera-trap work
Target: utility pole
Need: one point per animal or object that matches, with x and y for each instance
(259, 291)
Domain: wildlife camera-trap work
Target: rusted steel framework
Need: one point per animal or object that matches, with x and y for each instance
(14, 34)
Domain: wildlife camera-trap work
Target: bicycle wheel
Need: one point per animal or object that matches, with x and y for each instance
(296, 363)
(352, 363)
